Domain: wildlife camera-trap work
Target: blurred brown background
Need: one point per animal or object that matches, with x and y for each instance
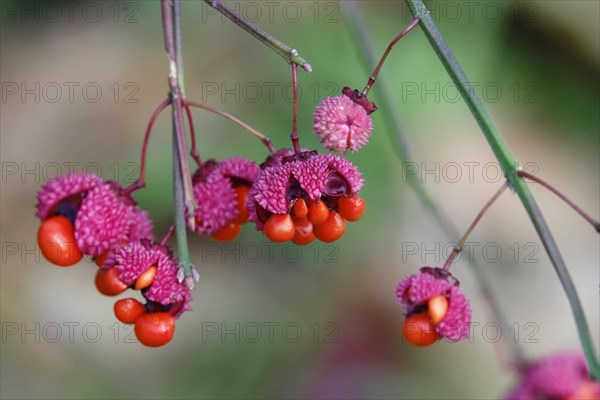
(79, 82)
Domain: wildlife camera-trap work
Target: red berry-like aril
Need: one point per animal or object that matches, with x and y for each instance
(101, 258)
(330, 230)
(128, 310)
(280, 228)
(304, 232)
(155, 329)
(56, 238)
(300, 208)
(108, 282)
(418, 330)
(587, 389)
(241, 194)
(227, 233)
(317, 212)
(145, 279)
(351, 208)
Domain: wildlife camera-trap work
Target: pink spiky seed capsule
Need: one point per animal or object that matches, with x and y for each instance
(433, 293)
(341, 124)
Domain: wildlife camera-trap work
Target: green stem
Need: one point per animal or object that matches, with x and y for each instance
(510, 167)
(183, 252)
(290, 55)
(402, 146)
(182, 183)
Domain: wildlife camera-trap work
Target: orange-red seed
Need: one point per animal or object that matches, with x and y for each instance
(317, 212)
(145, 279)
(304, 232)
(280, 228)
(351, 208)
(56, 238)
(155, 329)
(437, 307)
(227, 233)
(330, 230)
(241, 194)
(109, 283)
(128, 310)
(300, 208)
(419, 331)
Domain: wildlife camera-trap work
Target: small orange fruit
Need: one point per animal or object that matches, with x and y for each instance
(419, 331)
(155, 329)
(241, 195)
(280, 228)
(304, 232)
(300, 208)
(145, 279)
(330, 230)
(351, 208)
(437, 308)
(108, 282)
(227, 233)
(56, 238)
(317, 212)
(128, 310)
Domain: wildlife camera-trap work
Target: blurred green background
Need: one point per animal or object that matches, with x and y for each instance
(79, 82)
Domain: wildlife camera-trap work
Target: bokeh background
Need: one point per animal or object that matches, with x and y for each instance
(79, 82)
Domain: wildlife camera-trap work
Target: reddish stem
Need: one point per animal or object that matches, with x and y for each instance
(168, 235)
(294, 134)
(265, 139)
(375, 73)
(459, 246)
(586, 216)
(141, 182)
(193, 151)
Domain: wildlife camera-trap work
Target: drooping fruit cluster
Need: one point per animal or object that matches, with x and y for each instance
(152, 269)
(83, 215)
(295, 195)
(300, 197)
(434, 307)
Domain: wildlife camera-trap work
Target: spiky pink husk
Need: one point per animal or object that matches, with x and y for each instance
(131, 260)
(269, 190)
(108, 218)
(134, 258)
(61, 188)
(418, 288)
(341, 124)
(311, 175)
(215, 194)
(315, 176)
(166, 288)
(217, 204)
(239, 168)
(558, 376)
(251, 204)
